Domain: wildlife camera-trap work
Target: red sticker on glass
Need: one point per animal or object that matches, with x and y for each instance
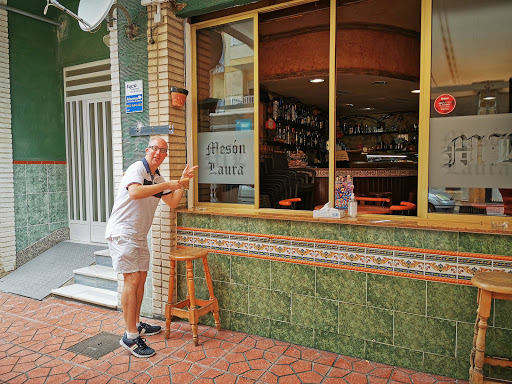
(445, 104)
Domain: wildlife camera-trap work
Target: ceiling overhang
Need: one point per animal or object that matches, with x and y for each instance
(201, 7)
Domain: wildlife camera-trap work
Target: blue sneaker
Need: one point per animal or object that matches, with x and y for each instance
(137, 347)
(148, 330)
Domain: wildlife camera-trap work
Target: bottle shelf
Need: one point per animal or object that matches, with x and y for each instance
(379, 133)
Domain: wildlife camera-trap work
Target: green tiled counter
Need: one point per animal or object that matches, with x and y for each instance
(410, 320)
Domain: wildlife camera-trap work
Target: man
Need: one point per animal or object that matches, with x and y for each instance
(139, 193)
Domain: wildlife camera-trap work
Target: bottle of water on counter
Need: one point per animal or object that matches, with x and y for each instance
(352, 206)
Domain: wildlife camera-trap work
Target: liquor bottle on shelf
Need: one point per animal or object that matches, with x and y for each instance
(275, 109)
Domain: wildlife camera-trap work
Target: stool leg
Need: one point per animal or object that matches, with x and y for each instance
(213, 299)
(484, 310)
(168, 307)
(475, 334)
(192, 309)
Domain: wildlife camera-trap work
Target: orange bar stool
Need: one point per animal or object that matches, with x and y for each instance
(491, 285)
(193, 313)
(288, 202)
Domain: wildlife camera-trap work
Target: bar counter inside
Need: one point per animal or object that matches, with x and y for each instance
(397, 179)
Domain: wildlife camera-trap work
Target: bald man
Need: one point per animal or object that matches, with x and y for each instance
(140, 191)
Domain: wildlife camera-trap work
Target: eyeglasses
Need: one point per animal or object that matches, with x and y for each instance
(155, 148)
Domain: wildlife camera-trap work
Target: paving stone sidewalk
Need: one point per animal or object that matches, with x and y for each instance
(39, 339)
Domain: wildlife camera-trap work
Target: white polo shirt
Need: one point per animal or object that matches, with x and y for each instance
(132, 217)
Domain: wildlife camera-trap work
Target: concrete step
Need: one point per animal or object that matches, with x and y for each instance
(87, 294)
(98, 276)
(103, 257)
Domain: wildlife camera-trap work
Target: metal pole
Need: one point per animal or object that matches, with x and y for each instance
(55, 3)
(15, 10)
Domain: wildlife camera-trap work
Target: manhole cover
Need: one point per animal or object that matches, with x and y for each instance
(97, 346)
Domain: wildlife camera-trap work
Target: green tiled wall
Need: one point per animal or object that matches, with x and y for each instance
(133, 65)
(412, 323)
(41, 202)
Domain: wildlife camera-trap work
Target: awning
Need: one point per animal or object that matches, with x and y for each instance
(201, 7)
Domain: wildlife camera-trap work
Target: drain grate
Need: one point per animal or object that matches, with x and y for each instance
(97, 346)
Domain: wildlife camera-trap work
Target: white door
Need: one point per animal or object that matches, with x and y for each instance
(89, 151)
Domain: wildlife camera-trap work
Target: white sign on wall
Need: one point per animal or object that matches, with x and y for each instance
(471, 151)
(226, 157)
(134, 96)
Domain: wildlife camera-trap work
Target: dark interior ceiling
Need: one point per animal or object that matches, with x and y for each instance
(456, 28)
(356, 92)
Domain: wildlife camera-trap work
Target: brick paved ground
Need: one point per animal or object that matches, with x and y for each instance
(35, 336)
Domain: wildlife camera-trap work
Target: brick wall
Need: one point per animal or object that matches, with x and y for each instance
(166, 68)
(7, 235)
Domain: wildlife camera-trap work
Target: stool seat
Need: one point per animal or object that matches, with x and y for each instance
(193, 313)
(498, 282)
(491, 285)
(184, 254)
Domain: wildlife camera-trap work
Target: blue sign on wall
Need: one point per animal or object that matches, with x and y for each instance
(134, 96)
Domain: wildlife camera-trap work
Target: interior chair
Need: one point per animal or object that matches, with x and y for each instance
(373, 200)
(289, 203)
(276, 186)
(306, 187)
(387, 195)
(305, 179)
(404, 206)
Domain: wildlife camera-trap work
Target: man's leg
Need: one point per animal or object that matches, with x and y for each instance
(140, 294)
(130, 300)
(131, 308)
(144, 329)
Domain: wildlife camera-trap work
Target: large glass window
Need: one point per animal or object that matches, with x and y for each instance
(377, 101)
(470, 150)
(225, 113)
(294, 94)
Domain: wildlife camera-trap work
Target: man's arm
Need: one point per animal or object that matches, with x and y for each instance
(173, 199)
(138, 191)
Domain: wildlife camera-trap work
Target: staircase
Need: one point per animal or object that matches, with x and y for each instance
(95, 284)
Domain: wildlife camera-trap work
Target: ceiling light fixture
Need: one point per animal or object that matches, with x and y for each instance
(415, 91)
(367, 109)
(316, 80)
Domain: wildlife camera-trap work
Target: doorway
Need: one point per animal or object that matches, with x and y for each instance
(89, 150)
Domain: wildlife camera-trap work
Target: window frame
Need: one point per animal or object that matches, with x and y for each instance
(424, 111)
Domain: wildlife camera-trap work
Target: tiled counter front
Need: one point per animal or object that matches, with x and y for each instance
(391, 295)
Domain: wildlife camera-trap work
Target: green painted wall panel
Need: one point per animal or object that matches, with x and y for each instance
(36, 90)
(77, 46)
(38, 52)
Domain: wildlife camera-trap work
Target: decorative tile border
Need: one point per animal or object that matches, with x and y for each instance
(425, 264)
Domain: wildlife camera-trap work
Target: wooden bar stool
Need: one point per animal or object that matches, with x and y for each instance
(491, 285)
(193, 313)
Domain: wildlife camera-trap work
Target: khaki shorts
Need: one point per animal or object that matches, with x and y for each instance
(128, 255)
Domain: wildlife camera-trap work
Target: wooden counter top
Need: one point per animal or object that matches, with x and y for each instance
(448, 222)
